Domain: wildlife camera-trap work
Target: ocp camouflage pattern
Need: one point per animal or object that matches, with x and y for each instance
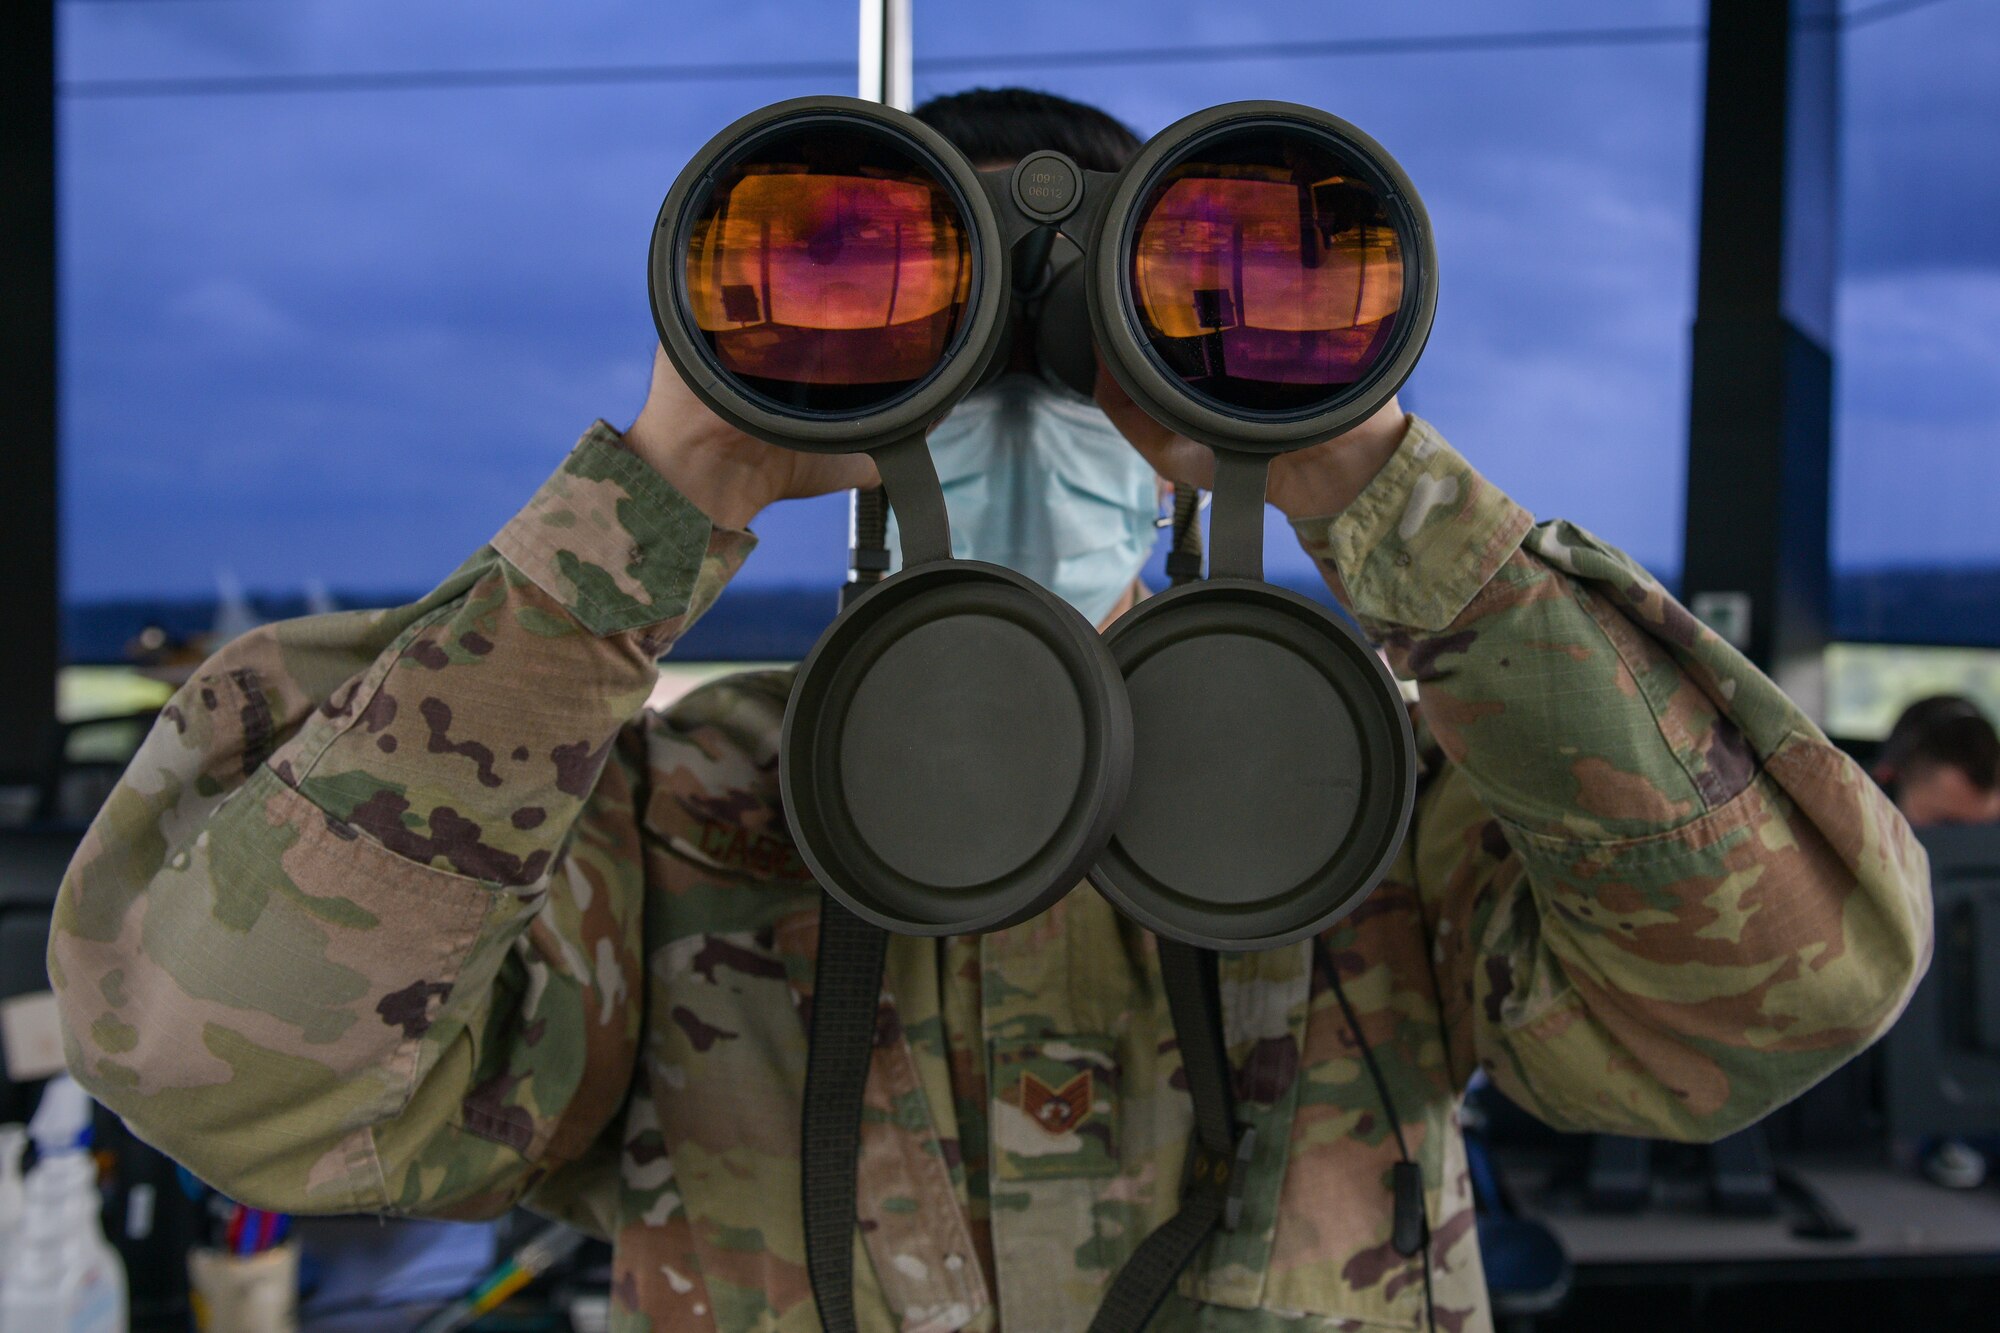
(417, 912)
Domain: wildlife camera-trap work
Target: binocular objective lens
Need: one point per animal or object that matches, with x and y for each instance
(827, 268)
(1266, 272)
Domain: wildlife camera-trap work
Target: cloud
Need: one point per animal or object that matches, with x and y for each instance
(344, 336)
(1920, 163)
(1919, 419)
(232, 312)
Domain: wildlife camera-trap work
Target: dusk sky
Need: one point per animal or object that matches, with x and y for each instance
(342, 335)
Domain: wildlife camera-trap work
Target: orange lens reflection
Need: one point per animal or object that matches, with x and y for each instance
(828, 270)
(1266, 272)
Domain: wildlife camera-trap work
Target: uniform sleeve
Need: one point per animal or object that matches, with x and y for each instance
(359, 929)
(1662, 903)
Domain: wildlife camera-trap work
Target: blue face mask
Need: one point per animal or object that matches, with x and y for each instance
(1038, 480)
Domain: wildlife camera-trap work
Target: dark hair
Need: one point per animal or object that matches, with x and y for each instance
(1945, 730)
(1007, 124)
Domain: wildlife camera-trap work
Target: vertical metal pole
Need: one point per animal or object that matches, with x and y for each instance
(28, 389)
(1761, 395)
(885, 53)
(885, 76)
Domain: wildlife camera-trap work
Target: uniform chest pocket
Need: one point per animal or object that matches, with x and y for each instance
(1313, 1243)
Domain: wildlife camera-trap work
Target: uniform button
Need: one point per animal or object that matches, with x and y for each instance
(954, 1262)
(1402, 559)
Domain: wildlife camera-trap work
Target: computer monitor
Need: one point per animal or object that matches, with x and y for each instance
(1941, 1061)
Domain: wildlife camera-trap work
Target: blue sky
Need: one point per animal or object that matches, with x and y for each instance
(342, 336)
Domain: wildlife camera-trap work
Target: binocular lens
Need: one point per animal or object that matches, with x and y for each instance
(1266, 272)
(827, 268)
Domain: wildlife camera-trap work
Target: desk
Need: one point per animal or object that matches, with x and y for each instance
(1906, 1227)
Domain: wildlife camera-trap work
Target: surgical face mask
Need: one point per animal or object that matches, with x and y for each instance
(1038, 480)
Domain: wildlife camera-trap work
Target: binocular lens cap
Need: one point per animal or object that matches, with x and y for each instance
(1273, 767)
(955, 750)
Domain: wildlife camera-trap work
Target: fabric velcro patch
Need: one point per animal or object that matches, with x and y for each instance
(1055, 1107)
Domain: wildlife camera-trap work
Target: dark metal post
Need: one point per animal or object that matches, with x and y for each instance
(1761, 410)
(28, 606)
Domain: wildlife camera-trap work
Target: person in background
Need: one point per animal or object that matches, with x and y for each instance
(1941, 763)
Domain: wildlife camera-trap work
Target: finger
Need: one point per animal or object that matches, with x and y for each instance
(1111, 395)
(861, 472)
(1175, 457)
(839, 472)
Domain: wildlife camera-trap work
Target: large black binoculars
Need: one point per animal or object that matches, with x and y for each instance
(1231, 765)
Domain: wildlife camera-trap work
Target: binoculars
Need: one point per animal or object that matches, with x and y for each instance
(1230, 764)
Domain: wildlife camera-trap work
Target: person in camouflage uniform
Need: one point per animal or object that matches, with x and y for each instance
(418, 912)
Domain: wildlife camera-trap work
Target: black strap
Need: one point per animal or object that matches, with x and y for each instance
(1143, 1283)
(847, 990)
(1410, 1227)
(1212, 1192)
(1194, 995)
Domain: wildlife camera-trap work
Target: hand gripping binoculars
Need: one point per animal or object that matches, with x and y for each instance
(1230, 764)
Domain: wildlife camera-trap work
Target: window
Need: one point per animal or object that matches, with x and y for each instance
(320, 339)
(1916, 544)
(338, 288)
(1559, 174)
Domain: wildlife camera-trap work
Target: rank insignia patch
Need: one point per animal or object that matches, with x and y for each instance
(1056, 1110)
(1055, 1107)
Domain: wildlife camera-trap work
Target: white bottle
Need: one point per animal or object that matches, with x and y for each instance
(65, 1277)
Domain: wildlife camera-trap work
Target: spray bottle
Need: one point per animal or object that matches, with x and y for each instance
(65, 1277)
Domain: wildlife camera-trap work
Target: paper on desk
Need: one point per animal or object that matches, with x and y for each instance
(31, 1035)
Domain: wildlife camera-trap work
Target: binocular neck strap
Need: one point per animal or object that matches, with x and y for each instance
(847, 990)
(910, 479)
(1236, 527)
(1212, 1184)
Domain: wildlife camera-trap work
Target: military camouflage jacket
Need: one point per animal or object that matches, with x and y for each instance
(417, 911)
